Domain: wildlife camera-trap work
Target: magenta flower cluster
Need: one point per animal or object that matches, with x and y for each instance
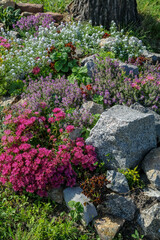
(4, 43)
(38, 155)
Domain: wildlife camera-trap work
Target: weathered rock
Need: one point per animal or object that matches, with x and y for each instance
(76, 133)
(57, 16)
(29, 7)
(125, 134)
(151, 166)
(4, 102)
(89, 63)
(149, 220)
(107, 227)
(107, 42)
(7, 3)
(14, 34)
(1, 26)
(143, 109)
(129, 68)
(56, 194)
(155, 57)
(75, 194)
(26, 14)
(120, 206)
(118, 181)
(152, 193)
(93, 107)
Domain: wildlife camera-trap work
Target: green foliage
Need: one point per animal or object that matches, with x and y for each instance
(30, 217)
(15, 87)
(137, 236)
(98, 99)
(9, 16)
(77, 210)
(62, 58)
(80, 75)
(133, 177)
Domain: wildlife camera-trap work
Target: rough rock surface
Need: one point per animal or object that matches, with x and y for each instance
(26, 14)
(57, 16)
(149, 220)
(118, 181)
(75, 194)
(155, 57)
(143, 109)
(93, 107)
(56, 194)
(151, 166)
(129, 68)
(7, 3)
(119, 206)
(89, 63)
(29, 7)
(125, 134)
(108, 226)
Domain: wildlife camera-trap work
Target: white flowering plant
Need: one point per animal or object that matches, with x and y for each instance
(122, 45)
(25, 54)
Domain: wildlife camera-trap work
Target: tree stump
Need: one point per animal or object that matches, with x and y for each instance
(102, 12)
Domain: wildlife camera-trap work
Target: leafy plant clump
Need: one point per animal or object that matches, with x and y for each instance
(133, 178)
(29, 217)
(9, 16)
(95, 187)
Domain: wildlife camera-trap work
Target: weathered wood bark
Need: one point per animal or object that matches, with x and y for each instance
(102, 12)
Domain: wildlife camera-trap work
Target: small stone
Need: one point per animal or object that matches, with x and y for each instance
(7, 3)
(155, 57)
(151, 166)
(75, 194)
(29, 7)
(93, 107)
(149, 220)
(107, 227)
(89, 63)
(7, 101)
(152, 193)
(26, 14)
(118, 181)
(107, 42)
(120, 206)
(56, 16)
(129, 68)
(56, 194)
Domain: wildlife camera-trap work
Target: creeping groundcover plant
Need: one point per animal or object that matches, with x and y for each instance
(38, 155)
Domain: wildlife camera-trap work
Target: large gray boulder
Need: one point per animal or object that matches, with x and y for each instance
(119, 206)
(125, 134)
(75, 194)
(151, 166)
(140, 108)
(149, 220)
(118, 182)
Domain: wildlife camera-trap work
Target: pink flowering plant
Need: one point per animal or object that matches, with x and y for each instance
(37, 153)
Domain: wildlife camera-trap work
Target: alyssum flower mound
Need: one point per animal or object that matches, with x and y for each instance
(37, 153)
